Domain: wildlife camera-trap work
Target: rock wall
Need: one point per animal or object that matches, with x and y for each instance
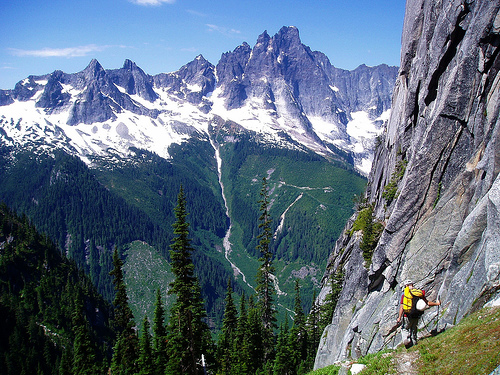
(442, 220)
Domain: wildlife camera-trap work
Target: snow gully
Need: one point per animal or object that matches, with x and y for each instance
(226, 243)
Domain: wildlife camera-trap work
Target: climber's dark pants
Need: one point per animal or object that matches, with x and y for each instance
(409, 331)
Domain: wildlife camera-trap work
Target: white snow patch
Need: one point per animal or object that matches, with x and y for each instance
(385, 115)
(251, 115)
(362, 126)
(321, 126)
(334, 88)
(70, 90)
(363, 132)
(365, 166)
(193, 88)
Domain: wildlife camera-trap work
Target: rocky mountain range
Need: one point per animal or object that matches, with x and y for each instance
(107, 149)
(279, 88)
(433, 188)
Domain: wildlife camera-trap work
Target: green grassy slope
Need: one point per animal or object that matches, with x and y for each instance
(471, 347)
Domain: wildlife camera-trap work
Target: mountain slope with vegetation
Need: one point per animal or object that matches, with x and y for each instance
(90, 211)
(471, 347)
(87, 219)
(52, 317)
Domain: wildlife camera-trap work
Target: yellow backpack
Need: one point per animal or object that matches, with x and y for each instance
(410, 299)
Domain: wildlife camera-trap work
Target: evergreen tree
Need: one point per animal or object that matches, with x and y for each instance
(188, 334)
(65, 364)
(283, 363)
(328, 307)
(230, 321)
(313, 332)
(265, 274)
(299, 320)
(241, 345)
(159, 336)
(146, 365)
(124, 318)
(226, 355)
(297, 341)
(125, 353)
(255, 337)
(83, 353)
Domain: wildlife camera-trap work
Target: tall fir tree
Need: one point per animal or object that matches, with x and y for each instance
(83, 353)
(66, 365)
(283, 363)
(146, 363)
(313, 331)
(255, 337)
(298, 338)
(265, 274)
(241, 345)
(226, 355)
(159, 336)
(188, 334)
(125, 353)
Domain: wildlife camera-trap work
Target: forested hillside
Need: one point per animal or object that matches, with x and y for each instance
(119, 201)
(88, 219)
(52, 320)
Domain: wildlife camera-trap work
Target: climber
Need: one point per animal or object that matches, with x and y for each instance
(411, 307)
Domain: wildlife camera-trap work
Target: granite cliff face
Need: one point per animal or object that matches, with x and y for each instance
(434, 184)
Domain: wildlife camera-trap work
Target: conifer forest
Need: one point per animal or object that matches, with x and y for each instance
(53, 320)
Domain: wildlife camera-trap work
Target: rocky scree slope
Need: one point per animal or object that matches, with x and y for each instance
(434, 184)
(279, 88)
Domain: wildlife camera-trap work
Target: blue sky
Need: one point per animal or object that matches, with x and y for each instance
(40, 36)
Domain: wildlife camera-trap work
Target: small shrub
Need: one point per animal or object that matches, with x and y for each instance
(372, 230)
(440, 185)
(364, 217)
(391, 189)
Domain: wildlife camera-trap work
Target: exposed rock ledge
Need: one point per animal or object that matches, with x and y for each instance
(443, 227)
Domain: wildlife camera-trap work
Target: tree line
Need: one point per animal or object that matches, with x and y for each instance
(71, 204)
(52, 319)
(55, 322)
(249, 342)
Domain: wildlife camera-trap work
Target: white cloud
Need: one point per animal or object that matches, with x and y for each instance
(59, 52)
(223, 30)
(195, 13)
(152, 2)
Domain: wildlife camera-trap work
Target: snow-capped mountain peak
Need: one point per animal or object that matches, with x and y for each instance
(279, 88)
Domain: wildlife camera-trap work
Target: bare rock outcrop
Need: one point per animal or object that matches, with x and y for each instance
(434, 184)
